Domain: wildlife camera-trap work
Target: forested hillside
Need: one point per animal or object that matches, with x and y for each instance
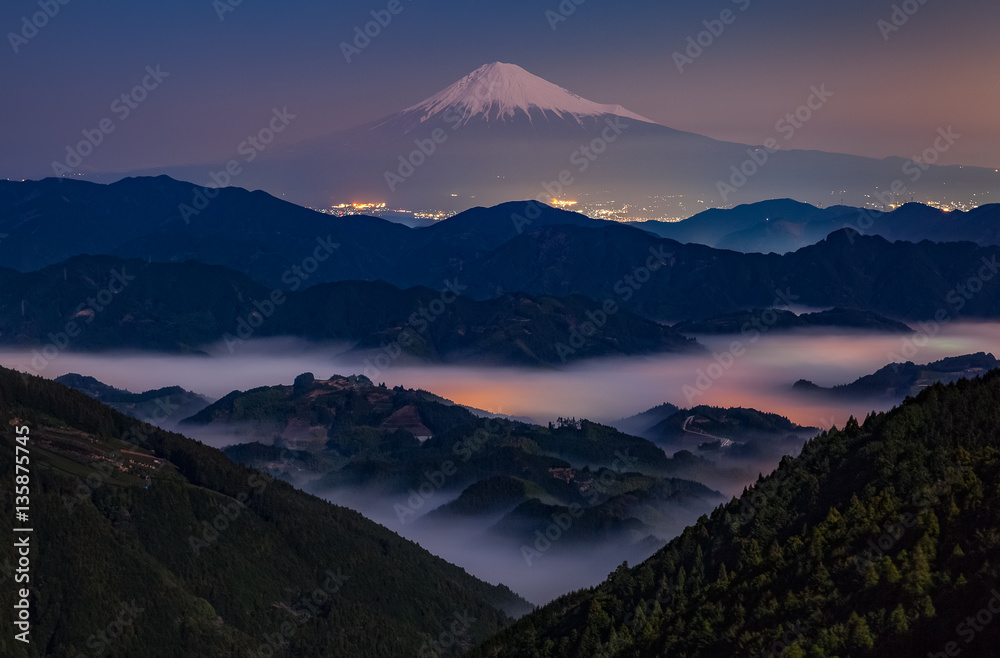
(149, 543)
(881, 539)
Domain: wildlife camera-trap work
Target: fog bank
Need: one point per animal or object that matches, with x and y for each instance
(760, 376)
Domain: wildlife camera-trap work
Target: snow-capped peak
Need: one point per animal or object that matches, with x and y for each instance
(497, 91)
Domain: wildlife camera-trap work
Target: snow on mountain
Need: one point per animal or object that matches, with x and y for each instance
(498, 91)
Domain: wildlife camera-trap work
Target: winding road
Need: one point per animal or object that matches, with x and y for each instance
(687, 421)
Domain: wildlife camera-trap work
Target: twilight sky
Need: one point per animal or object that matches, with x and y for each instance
(939, 69)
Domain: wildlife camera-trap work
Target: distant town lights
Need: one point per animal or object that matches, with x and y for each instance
(359, 206)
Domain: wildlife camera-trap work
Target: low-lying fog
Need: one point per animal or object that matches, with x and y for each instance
(537, 571)
(605, 389)
(760, 377)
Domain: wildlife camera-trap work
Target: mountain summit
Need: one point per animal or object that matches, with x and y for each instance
(501, 133)
(499, 91)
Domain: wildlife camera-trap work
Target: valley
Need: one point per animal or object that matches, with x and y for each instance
(379, 477)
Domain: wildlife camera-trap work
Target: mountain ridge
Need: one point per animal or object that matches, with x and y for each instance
(785, 225)
(517, 247)
(189, 307)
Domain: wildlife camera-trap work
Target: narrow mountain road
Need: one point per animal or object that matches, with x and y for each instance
(687, 421)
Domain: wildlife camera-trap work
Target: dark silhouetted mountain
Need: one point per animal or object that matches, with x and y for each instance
(901, 280)
(719, 447)
(109, 303)
(597, 524)
(519, 247)
(498, 494)
(878, 540)
(510, 329)
(49, 221)
(898, 380)
(715, 226)
(54, 219)
(162, 406)
(754, 434)
(644, 507)
(783, 225)
(184, 552)
(641, 422)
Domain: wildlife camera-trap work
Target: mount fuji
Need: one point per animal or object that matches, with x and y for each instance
(502, 133)
(501, 92)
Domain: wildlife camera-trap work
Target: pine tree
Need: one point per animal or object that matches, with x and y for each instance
(794, 651)
(722, 582)
(888, 570)
(698, 571)
(926, 608)
(859, 636)
(898, 622)
(871, 576)
(775, 555)
(918, 573)
(751, 554)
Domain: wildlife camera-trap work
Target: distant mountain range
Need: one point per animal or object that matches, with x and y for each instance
(783, 225)
(902, 280)
(106, 303)
(520, 247)
(48, 221)
(503, 133)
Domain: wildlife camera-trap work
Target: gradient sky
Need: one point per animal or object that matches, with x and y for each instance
(940, 69)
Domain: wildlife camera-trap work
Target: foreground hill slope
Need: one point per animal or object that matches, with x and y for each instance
(879, 540)
(203, 557)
